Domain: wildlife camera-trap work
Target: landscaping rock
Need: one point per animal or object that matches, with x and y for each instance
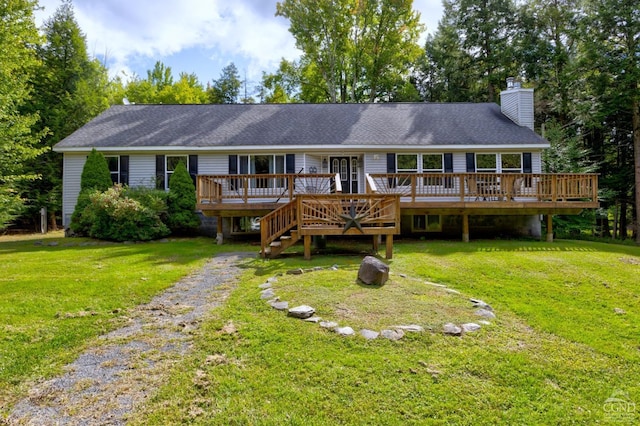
(452, 329)
(301, 312)
(485, 313)
(281, 306)
(298, 271)
(344, 331)
(392, 334)
(267, 294)
(369, 334)
(328, 324)
(313, 319)
(477, 303)
(484, 322)
(470, 327)
(373, 271)
(451, 291)
(619, 311)
(265, 286)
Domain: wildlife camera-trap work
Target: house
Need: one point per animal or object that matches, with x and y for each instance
(291, 171)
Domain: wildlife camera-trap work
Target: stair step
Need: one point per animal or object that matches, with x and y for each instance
(276, 244)
(285, 237)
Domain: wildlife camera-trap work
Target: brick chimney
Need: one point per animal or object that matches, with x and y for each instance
(517, 103)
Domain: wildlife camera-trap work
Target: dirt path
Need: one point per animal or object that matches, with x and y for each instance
(126, 366)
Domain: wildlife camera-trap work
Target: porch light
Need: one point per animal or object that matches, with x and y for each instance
(325, 163)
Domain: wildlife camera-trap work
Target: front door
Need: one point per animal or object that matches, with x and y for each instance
(347, 167)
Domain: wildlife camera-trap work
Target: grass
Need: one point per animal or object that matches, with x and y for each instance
(555, 354)
(557, 351)
(57, 294)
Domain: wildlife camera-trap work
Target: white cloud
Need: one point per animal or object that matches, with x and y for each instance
(133, 34)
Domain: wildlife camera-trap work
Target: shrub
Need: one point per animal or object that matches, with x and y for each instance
(181, 203)
(113, 215)
(95, 177)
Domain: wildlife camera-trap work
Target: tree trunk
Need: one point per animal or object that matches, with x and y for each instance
(636, 149)
(623, 220)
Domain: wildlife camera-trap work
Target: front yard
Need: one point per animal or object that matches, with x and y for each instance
(565, 340)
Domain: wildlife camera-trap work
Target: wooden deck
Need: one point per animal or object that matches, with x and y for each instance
(447, 193)
(293, 206)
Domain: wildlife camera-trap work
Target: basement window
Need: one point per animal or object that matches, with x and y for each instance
(427, 223)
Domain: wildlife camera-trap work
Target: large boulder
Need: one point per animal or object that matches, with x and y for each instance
(373, 271)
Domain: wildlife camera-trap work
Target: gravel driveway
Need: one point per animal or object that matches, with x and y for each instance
(123, 368)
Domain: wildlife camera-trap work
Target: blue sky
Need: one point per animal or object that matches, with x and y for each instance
(193, 36)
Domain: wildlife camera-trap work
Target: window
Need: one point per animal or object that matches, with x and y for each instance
(262, 165)
(427, 223)
(432, 163)
(486, 163)
(406, 163)
(245, 225)
(114, 167)
(172, 162)
(511, 163)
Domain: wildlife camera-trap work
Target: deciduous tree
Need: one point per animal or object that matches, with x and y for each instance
(19, 142)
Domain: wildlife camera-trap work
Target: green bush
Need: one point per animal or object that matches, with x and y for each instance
(182, 218)
(95, 177)
(114, 215)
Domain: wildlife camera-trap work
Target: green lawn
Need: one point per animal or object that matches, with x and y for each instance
(557, 351)
(57, 295)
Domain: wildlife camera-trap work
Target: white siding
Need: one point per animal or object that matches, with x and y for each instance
(142, 170)
(459, 162)
(536, 162)
(517, 104)
(72, 170)
(213, 164)
(375, 162)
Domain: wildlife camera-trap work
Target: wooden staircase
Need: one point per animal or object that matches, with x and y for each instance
(274, 227)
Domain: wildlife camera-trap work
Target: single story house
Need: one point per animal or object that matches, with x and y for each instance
(291, 171)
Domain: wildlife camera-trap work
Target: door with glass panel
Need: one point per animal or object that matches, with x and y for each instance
(347, 167)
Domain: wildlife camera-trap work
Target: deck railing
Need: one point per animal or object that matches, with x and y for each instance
(213, 189)
(487, 186)
(413, 187)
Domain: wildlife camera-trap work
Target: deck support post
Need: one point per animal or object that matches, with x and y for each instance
(465, 228)
(389, 244)
(219, 233)
(376, 243)
(307, 247)
(549, 228)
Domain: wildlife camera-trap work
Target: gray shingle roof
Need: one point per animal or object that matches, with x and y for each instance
(367, 125)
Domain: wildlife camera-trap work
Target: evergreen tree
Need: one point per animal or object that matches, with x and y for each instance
(70, 89)
(226, 89)
(181, 203)
(95, 178)
(19, 143)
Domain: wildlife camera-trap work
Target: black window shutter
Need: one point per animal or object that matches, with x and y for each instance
(160, 172)
(233, 164)
(124, 169)
(448, 168)
(193, 168)
(233, 170)
(391, 168)
(448, 162)
(527, 167)
(471, 162)
(290, 163)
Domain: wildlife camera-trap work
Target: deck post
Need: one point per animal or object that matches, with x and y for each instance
(307, 247)
(376, 243)
(219, 232)
(465, 228)
(389, 244)
(549, 228)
